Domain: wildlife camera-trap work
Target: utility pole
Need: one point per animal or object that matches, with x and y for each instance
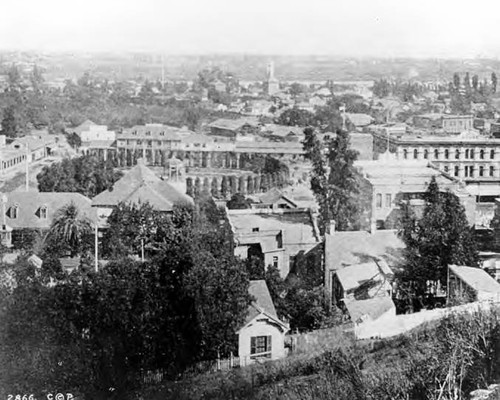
(27, 169)
(96, 245)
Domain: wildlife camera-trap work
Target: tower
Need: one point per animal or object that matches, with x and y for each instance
(273, 85)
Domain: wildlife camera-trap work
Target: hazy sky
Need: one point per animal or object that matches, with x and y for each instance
(436, 28)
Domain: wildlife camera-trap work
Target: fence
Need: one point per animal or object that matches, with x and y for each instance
(321, 339)
(202, 367)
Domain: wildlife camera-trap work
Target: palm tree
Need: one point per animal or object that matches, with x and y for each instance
(69, 228)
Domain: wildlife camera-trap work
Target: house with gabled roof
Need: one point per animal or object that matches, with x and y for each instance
(368, 252)
(139, 185)
(37, 210)
(275, 236)
(273, 198)
(262, 335)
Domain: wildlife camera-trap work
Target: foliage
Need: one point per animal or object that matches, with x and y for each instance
(238, 202)
(86, 175)
(440, 238)
(69, 232)
(181, 306)
(333, 179)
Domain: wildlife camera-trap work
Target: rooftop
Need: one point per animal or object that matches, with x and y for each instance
(370, 309)
(357, 247)
(262, 302)
(141, 185)
(476, 278)
(29, 205)
(353, 276)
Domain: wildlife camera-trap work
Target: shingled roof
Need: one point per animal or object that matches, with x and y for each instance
(262, 303)
(141, 185)
(30, 204)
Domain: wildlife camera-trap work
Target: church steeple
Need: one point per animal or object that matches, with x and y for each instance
(273, 85)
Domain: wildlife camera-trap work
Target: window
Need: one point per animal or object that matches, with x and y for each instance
(255, 229)
(426, 154)
(492, 170)
(457, 154)
(481, 154)
(466, 153)
(159, 143)
(466, 171)
(379, 200)
(446, 169)
(43, 212)
(492, 154)
(481, 170)
(436, 154)
(456, 170)
(275, 261)
(260, 346)
(446, 154)
(471, 171)
(14, 212)
(162, 133)
(472, 153)
(139, 142)
(134, 133)
(150, 143)
(388, 200)
(405, 154)
(148, 133)
(415, 154)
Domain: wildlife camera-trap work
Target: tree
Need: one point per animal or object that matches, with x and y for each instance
(10, 122)
(494, 81)
(475, 82)
(295, 117)
(440, 238)
(133, 229)
(86, 175)
(456, 81)
(333, 179)
(69, 230)
(467, 81)
(238, 202)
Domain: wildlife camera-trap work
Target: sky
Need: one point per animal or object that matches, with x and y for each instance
(357, 28)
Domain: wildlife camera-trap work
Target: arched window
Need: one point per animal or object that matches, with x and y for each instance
(446, 154)
(457, 154)
(471, 171)
(426, 154)
(481, 170)
(481, 154)
(472, 153)
(456, 170)
(415, 154)
(405, 154)
(466, 153)
(492, 154)
(492, 170)
(436, 154)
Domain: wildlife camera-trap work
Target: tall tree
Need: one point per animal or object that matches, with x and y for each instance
(10, 122)
(440, 238)
(333, 179)
(456, 81)
(475, 82)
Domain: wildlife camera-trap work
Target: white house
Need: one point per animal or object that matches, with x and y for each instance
(262, 336)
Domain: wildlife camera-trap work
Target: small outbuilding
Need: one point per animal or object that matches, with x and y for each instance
(262, 336)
